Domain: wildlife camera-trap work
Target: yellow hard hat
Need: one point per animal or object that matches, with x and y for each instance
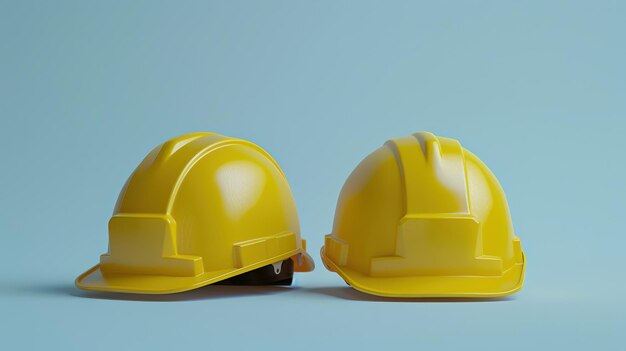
(423, 217)
(201, 208)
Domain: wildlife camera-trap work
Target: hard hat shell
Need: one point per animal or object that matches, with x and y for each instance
(199, 209)
(423, 217)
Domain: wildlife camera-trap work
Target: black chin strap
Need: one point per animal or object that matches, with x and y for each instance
(280, 273)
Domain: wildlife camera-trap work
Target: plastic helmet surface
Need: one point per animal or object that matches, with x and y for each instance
(423, 217)
(200, 208)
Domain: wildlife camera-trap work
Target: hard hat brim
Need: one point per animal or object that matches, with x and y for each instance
(508, 283)
(97, 280)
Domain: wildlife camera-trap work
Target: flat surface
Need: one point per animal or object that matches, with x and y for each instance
(536, 90)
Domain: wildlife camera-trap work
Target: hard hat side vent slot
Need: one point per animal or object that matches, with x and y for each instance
(251, 251)
(145, 244)
(336, 249)
(441, 246)
(517, 250)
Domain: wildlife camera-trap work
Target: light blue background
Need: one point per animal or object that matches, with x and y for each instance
(536, 89)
